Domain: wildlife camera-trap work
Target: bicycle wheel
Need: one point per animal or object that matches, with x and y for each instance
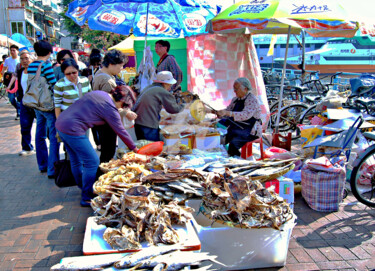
(289, 118)
(308, 115)
(362, 179)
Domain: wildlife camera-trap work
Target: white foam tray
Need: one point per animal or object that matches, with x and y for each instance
(94, 243)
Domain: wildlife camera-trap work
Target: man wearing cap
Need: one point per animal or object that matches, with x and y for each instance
(149, 104)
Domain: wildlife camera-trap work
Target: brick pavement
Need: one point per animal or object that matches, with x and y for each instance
(40, 223)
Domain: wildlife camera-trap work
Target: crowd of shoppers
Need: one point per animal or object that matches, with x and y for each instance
(86, 98)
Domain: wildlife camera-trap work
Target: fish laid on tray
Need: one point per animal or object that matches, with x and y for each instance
(240, 201)
(155, 258)
(137, 216)
(176, 184)
(255, 170)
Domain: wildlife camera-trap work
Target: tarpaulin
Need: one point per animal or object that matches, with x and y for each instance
(216, 61)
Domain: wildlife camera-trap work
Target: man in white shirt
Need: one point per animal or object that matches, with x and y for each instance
(81, 65)
(9, 69)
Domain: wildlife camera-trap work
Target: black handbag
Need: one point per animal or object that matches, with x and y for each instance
(63, 173)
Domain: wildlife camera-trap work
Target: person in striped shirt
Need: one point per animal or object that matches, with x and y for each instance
(45, 119)
(70, 88)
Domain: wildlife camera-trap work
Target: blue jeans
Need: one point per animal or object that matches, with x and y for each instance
(13, 101)
(45, 159)
(84, 162)
(26, 121)
(143, 132)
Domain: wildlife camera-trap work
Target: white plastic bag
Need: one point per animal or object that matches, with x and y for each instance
(127, 123)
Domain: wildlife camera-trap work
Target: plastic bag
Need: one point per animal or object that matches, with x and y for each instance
(154, 148)
(127, 123)
(271, 151)
(309, 133)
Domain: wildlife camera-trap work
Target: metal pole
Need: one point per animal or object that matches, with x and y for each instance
(303, 56)
(282, 81)
(6, 23)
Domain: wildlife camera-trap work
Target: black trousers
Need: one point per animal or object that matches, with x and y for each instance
(108, 141)
(237, 137)
(95, 135)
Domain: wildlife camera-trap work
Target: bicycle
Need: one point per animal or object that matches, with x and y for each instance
(362, 179)
(3, 92)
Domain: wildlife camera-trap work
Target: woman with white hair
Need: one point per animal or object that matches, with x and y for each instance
(244, 112)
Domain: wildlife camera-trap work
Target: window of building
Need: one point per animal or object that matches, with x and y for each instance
(29, 30)
(17, 27)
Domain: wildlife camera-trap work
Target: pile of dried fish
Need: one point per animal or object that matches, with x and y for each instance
(243, 202)
(123, 177)
(136, 216)
(126, 159)
(176, 184)
(156, 258)
(255, 170)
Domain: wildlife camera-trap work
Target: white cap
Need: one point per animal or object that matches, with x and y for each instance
(165, 77)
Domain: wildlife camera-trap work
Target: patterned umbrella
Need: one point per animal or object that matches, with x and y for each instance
(319, 18)
(160, 18)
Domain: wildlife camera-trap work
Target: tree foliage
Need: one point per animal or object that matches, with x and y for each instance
(101, 39)
(69, 24)
(98, 39)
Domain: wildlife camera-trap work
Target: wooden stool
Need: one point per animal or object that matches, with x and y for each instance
(247, 149)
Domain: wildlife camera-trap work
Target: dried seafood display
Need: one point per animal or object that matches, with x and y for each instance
(241, 202)
(123, 177)
(127, 158)
(176, 184)
(255, 170)
(137, 216)
(156, 258)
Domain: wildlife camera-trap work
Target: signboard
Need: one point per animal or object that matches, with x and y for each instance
(15, 3)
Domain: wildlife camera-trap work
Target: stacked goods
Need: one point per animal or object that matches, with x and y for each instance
(240, 202)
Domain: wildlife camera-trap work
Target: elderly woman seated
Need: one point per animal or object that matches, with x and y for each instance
(242, 116)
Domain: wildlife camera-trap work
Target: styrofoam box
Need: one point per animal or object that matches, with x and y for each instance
(207, 142)
(242, 248)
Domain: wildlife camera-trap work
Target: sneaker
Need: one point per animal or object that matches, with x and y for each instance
(26, 153)
(85, 203)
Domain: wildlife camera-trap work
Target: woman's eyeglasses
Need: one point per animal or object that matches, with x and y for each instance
(70, 73)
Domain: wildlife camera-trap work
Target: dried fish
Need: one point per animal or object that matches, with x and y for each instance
(87, 263)
(177, 260)
(134, 258)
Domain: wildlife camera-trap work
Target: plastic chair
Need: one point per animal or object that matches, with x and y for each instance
(247, 149)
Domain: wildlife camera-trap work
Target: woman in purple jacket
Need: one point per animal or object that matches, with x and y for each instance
(95, 108)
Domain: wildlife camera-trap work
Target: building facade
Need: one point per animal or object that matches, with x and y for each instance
(32, 18)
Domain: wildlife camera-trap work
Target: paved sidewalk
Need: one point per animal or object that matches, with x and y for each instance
(41, 223)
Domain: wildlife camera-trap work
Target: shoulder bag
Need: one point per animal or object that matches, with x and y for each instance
(38, 94)
(63, 173)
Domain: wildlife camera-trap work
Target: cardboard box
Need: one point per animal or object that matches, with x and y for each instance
(284, 187)
(170, 140)
(208, 141)
(239, 248)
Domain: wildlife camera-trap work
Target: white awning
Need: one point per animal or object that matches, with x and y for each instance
(35, 26)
